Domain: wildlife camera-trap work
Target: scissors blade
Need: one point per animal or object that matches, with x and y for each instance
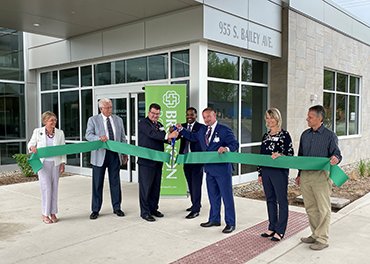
(172, 155)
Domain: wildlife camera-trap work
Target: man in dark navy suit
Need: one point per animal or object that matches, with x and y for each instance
(220, 138)
(151, 135)
(193, 172)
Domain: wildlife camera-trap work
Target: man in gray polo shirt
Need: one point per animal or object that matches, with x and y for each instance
(317, 141)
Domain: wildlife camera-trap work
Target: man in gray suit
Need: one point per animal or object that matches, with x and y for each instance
(106, 126)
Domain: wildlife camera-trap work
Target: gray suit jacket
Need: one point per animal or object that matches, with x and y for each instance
(95, 129)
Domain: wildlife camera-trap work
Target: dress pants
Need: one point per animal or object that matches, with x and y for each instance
(111, 161)
(217, 187)
(49, 179)
(316, 190)
(149, 188)
(194, 178)
(275, 186)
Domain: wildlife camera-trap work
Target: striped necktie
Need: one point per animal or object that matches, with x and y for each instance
(110, 130)
(208, 135)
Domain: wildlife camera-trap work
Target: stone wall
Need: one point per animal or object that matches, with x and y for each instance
(311, 48)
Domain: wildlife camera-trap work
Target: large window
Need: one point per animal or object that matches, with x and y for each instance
(12, 96)
(12, 112)
(49, 81)
(73, 107)
(342, 102)
(237, 90)
(11, 55)
(69, 92)
(69, 115)
(180, 64)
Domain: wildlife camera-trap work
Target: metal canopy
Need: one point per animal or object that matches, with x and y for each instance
(68, 18)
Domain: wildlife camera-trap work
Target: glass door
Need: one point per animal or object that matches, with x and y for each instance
(131, 108)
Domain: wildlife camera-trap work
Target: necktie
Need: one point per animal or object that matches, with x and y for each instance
(187, 142)
(110, 130)
(208, 135)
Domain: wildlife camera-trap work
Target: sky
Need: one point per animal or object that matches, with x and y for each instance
(359, 8)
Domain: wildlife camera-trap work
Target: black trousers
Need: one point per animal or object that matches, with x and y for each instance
(194, 178)
(149, 188)
(275, 186)
(112, 162)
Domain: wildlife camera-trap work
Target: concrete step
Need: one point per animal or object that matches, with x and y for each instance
(336, 202)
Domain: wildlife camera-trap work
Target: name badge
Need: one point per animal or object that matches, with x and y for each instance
(216, 139)
(275, 138)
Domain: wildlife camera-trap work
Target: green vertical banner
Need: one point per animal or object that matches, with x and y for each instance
(172, 99)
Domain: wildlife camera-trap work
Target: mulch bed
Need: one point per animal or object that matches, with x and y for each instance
(13, 177)
(353, 189)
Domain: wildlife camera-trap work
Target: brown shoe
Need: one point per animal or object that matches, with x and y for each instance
(308, 240)
(318, 246)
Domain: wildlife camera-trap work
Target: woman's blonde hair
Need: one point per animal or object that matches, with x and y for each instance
(46, 116)
(275, 114)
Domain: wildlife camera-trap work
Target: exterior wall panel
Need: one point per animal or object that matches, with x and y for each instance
(50, 55)
(180, 27)
(87, 47)
(123, 39)
(309, 53)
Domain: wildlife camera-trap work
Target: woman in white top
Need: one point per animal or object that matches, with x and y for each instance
(45, 136)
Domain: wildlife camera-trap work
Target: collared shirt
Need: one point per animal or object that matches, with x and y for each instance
(213, 129)
(106, 127)
(320, 143)
(191, 126)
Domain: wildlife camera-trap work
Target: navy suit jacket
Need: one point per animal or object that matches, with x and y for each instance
(151, 137)
(223, 136)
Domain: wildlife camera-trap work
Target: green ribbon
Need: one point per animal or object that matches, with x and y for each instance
(289, 162)
(115, 146)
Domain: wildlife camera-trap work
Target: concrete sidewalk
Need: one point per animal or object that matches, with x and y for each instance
(111, 239)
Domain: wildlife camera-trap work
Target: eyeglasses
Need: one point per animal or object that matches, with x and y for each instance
(107, 107)
(155, 113)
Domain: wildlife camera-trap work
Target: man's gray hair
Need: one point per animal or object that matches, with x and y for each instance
(319, 110)
(104, 101)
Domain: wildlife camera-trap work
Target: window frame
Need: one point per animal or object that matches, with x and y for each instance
(240, 84)
(348, 95)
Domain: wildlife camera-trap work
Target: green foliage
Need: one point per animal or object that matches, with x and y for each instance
(368, 168)
(22, 161)
(362, 168)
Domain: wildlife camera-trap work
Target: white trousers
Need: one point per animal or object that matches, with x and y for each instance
(49, 179)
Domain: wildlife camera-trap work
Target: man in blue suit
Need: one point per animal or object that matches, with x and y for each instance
(193, 172)
(106, 126)
(151, 135)
(220, 138)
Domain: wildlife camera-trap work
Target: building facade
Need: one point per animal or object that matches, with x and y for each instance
(240, 57)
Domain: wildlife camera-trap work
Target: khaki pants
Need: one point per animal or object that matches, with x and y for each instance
(316, 189)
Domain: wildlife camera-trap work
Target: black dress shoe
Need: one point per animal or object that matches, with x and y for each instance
(228, 229)
(94, 215)
(192, 215)
(209, 224)
(148, 218)
(157, 214)
(268, 235)
(119, 212)
(188, 209)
